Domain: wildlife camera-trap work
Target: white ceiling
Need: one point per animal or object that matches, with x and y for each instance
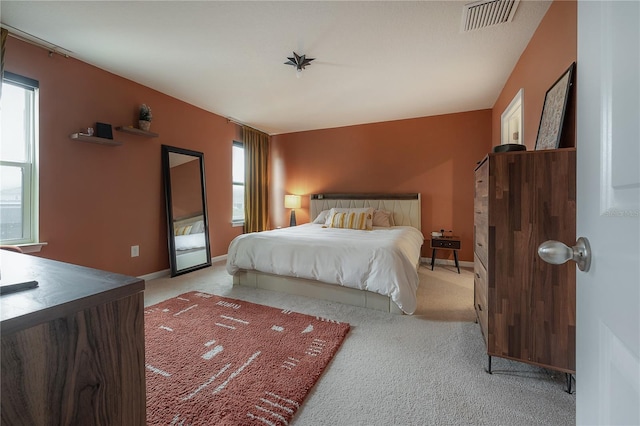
(375, 61)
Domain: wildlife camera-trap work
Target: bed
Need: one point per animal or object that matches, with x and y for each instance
(190, 242)
(374, 268)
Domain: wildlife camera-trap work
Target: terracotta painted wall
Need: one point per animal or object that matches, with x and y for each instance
(435, 156)
(431, 155)
(550, 52)
(97, 201)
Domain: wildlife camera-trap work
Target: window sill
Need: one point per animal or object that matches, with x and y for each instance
(236, 224)
(31, 247)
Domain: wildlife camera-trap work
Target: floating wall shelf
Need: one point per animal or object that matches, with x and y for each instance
(137, 132)
(94, 139)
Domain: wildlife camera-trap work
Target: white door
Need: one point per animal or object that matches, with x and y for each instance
(608, 207)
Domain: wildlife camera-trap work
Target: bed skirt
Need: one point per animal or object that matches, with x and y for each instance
(316, 290)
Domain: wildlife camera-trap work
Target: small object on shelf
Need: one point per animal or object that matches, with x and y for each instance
(94, 139)
(145, 117)
(138, 132)
(103, 130)
(509, 147)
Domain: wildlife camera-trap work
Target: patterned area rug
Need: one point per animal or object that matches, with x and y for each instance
(213, 360)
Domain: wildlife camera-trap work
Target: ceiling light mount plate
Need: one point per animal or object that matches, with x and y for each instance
(299, 61)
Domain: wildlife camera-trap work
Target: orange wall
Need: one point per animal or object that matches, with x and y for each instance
(96, 201)
(435, 156)
(550, 52)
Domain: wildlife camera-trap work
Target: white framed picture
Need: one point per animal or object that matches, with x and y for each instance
(512, 120)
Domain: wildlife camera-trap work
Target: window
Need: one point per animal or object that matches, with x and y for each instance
(19, 160)
(237, 216)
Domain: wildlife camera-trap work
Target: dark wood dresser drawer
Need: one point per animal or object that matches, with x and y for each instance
(481, 243)
(480, 296)
(482, 181)
(445, 243)
(481, 212)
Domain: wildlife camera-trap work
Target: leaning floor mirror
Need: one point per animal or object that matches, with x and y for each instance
(186, 201)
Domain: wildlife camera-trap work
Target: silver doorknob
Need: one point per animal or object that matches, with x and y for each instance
(557, 253)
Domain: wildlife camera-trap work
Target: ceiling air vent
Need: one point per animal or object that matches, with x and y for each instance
(484, 13)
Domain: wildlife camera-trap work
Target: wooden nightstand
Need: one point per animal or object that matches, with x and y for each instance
(445, 243)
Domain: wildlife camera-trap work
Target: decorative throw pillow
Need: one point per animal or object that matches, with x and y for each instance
(197, 227)
(382, 218)
(369, 217)
(322, 217)
(361, 220)
(183, 230)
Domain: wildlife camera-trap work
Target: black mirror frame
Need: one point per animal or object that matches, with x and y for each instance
(166, 172)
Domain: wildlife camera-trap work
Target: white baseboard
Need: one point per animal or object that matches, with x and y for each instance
(154, 275)
(167, 272)
(462, 263)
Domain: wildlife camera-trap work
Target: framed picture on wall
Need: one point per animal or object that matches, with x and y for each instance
(553, 110)
(511, 121)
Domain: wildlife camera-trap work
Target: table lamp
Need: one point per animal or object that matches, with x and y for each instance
(292, 202)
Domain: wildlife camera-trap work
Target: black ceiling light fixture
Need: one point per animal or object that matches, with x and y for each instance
(299, 61)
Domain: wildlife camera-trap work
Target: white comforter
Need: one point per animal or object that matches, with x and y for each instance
(190, 241)
(383, 260)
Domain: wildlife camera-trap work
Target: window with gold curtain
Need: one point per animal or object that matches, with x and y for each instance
(256, 189)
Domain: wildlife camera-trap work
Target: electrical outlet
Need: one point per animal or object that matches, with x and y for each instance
(135, 251)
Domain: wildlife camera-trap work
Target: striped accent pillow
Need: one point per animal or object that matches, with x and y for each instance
(183, 230)
(368, 210)
(351, 220)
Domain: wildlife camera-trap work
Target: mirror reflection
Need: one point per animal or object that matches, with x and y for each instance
(186, 209)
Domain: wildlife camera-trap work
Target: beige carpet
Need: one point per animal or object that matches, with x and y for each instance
(426, 368)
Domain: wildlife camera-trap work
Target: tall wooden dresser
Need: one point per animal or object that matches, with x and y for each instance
(526, 308)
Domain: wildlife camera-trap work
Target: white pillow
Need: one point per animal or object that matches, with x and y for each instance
(367, 210)
(322, 217)
(197, 227)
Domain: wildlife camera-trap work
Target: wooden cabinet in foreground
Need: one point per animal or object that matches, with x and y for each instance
(73, 347)
(526, 308)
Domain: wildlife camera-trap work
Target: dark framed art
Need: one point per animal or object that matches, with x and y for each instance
(553, 110)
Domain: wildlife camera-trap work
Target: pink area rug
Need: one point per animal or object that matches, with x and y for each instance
(211, 360)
